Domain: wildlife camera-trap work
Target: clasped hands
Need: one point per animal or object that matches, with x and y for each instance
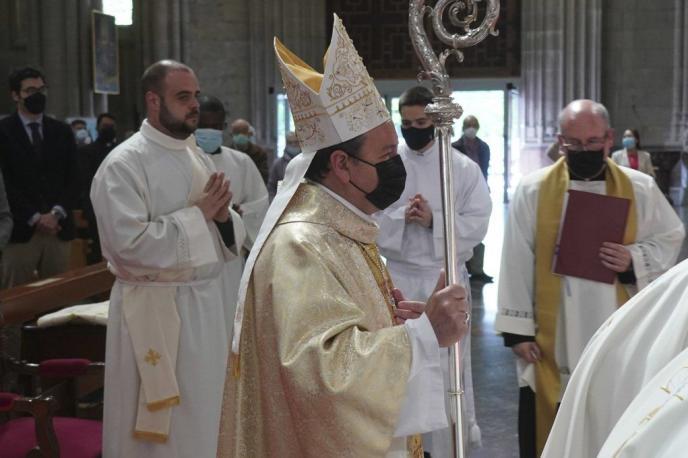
(48, 224)
(446, 309)
(418, 211)
(214, 203)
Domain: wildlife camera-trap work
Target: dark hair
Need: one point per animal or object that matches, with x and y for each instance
(17, 76)
(211, 104)
(417, 95)
(636, 134)
(104, 115)
(153, 77)
(77, 121)
(320, 164)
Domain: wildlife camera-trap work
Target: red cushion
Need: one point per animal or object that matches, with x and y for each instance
(63, 367)
(78, 438)
(7, 401)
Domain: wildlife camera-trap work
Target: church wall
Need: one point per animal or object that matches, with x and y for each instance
(638, 68)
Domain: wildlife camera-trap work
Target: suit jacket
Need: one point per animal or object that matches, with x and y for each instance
(644, 161)
(36, 183)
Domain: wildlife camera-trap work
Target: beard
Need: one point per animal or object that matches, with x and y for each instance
(179, 128)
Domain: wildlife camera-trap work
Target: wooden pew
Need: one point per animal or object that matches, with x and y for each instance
(28, 302)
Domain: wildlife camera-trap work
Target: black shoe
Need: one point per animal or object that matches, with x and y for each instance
(482, 277)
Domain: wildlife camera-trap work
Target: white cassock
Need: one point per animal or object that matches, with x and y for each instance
(656, 423)
(631, 348)
(415, 254)
(585, 304)
(249, 192)
(140, 195)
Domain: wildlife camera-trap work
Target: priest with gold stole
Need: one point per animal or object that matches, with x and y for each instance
(548, 319)
(328, 359)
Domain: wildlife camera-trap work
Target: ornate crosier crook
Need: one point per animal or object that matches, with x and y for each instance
(443, 111)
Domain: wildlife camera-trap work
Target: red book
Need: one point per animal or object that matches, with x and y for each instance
(590, 220)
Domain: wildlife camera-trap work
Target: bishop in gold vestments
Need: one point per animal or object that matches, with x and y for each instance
(313, 380)
(318, 368)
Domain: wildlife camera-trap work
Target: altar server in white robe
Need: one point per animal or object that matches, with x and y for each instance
(412, 236)
(166, 230)
(628, 350)
(547, 319)
(249, 194)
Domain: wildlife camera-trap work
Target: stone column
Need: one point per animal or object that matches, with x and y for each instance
(561, 62)
(679, 127)
(301, 29)
(61, 33)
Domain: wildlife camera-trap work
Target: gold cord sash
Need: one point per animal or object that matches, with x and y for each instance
(554, 186)
(414, 444)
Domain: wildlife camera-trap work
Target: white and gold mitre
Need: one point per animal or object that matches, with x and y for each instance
(336, 106)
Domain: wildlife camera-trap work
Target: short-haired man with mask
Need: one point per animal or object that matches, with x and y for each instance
(475, 148)
(249, 196)
(39, 163)
(167, 232)
(243, 140)
(412, 235)
(549, 319)
(90, 158)
(319, 367)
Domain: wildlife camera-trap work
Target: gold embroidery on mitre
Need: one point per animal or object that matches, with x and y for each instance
(152, 357)
(336, 106)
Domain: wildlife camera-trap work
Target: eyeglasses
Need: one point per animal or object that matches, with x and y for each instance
(31, 90)
(576, 146)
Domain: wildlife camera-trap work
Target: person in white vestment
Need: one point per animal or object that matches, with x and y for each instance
(249, 194)
(630, 348)
(412, 236)
(547, 319)
(166, 230)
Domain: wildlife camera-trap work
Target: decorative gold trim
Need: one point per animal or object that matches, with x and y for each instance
(150, 436)
(164, 403)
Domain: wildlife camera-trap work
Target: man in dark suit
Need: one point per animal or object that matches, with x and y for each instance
(38, 161)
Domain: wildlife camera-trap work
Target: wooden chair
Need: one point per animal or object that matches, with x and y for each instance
(57, 360)
(47, 432)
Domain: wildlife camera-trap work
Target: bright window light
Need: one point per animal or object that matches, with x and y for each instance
(122, 10)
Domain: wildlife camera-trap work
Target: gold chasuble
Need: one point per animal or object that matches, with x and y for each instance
(323, 371)
(554, 186)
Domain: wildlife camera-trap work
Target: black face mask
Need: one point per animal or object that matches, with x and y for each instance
(35, 103)
(585, 165)
(106, 134)
(391, 181)
(417, 138)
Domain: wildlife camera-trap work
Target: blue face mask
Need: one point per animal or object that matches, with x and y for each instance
(209, 139)
(628, 142)
(291, 151)
(240, 140)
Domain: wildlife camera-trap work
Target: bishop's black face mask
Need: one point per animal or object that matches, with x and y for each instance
(585, 165)
(35, 103)
(391, 180)
(417, 138)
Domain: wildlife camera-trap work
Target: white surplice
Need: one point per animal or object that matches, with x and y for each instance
(415, 254)
(249, 192)
(656, 422)
(631, 348)
(140, 195)
(585, 304)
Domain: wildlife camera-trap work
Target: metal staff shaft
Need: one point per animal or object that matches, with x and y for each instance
(455, 370)
(443, 111)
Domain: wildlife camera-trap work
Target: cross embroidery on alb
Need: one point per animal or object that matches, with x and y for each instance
(152, 357)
